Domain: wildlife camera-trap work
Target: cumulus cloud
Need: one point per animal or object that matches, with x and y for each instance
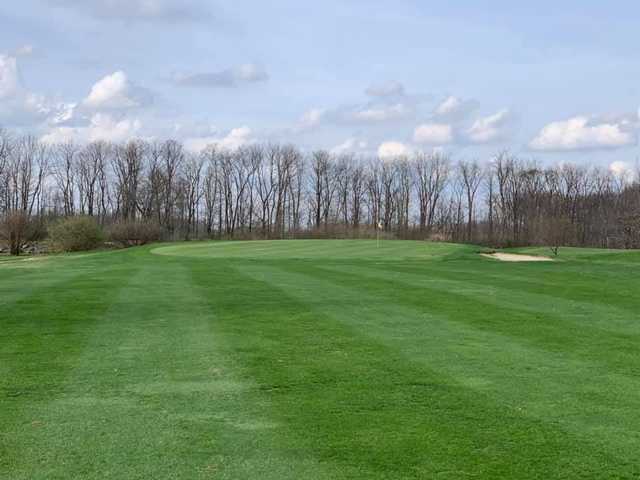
(61, 135)
(65, 114)
(166, 11)
(433, 134)
(231, 77)
(18, 105)
(454, 109)
(388, 103)
(235, 139)
(105, 127)
(586, 133)
(490, 129)
(393, 149)
(101, 126)
(355, 114)
(190, 128)
(311, 118)
(350, 145)
(116, 92)
(377, 114)
(623, 170)
(388, 89)
(452, 122)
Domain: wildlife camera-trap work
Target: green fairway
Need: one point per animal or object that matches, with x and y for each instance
(319, 360)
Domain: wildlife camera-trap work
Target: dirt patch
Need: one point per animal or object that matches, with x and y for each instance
(516, 257)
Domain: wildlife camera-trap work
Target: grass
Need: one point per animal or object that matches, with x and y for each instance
(319, 360)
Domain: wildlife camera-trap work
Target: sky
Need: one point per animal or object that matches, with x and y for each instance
(548, 80)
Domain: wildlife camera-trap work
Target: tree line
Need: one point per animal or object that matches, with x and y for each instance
(278, 191)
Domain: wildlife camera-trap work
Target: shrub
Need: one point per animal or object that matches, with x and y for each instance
(17, 228)
(75, 234)
(128, 233)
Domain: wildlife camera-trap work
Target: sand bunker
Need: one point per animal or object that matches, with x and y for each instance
(515, 257)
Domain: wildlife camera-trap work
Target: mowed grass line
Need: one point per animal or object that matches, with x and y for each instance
(341, 396)
(553, 322)
(490, 369)
(144, 393)
(318, 359)
(44, 332)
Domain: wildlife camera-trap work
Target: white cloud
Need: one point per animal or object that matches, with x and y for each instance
(311, 118)
(450, 104)
(586, 133)
(38, 105)
(384, 109)
(235, 139)
(354, 114)
(65, 114)
(232, 77)
(197, 144)
(105, 127)
(392, 149)
(350, 145)
(433, 134)
(250, 72)
(18, 105)
(116, 92)
(454, 109)
(491, 128)
(483, 130)
(388, 89)
(623, 170)
(101, 126)
(187, 127)
(383, 113)
(61, 135)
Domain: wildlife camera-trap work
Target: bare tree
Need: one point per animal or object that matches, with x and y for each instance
(471, 176)
(128, 166)
(171, 156)
(193, 191)
(27, 169)
(358, 191)
(211, 188)
(432, 174)
(6, 146)
(64, 171)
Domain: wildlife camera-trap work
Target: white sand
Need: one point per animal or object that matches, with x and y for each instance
(515, 257)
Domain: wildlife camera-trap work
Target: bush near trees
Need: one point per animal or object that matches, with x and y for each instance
(129, 233)
(74, 234)
(14, 231)
(17, 229)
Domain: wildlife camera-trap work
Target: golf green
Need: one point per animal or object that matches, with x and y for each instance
(319, 360)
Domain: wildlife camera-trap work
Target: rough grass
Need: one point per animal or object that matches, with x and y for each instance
(319, 360)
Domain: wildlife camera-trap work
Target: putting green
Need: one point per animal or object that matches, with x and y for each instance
(315, 249)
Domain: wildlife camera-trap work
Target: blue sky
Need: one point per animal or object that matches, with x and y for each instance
(557, 81)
